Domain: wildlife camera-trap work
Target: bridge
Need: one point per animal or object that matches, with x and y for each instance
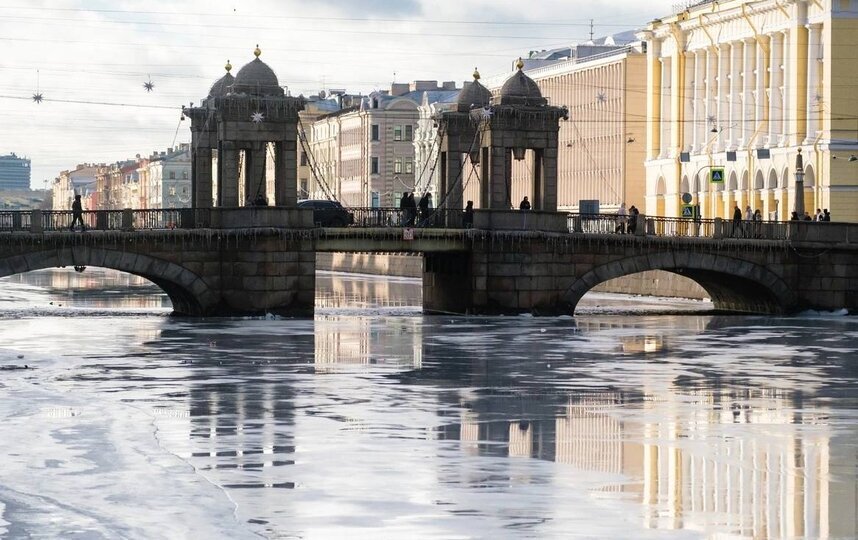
(253, 260)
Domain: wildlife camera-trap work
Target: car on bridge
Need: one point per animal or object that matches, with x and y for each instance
(328, 213)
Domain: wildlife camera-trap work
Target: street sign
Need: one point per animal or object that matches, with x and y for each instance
(687, 211)
(716, 175)
(408, 234)
(687, 198)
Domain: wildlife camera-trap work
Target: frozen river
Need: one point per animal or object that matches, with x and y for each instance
(374, 421)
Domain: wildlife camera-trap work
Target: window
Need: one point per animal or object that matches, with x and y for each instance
(409, 165)
(409, 134)
(303, 159)
(397, 133)
(304, 192)
(172, 175)
(184, 175)
(374, 132)
(397, 165)
(374, 166)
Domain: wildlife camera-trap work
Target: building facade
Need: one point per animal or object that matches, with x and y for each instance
(167, 179)
(14, 172)
(743, 86)
(602, 145)
(80, 181)
(365, 154)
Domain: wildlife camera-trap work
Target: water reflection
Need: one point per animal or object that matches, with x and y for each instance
(385, 423)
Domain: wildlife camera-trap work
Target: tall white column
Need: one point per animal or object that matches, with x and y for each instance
(711, 91)
(689, 105)
(813, 92)
(787, 71)
(775, 99)
(722, 100)
(699, 100)
(665, 106)
(760, 99)
(747, 88)
(735, 77)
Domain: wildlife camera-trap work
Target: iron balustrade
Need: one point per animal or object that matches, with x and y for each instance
(389, 217)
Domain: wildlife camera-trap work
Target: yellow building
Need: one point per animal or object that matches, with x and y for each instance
(602, 145)
(743, 86)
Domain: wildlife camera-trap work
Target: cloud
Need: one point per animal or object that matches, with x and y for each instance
(372, 8)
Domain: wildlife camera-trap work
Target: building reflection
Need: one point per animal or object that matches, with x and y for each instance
(343, 341)
(751, 464)
(354, 291)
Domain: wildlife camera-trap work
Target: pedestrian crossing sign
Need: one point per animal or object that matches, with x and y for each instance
(688, 210)
(716, 175)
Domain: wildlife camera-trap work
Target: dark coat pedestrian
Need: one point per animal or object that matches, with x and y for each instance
(826, 215)
(411, 205)
(77, 214)
(737, 220)
(403, 209)
(525, 204)
(424, 204)
(633, 219)
(468, 215)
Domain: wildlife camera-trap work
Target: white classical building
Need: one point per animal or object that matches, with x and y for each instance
(169, 178)
(744, 87)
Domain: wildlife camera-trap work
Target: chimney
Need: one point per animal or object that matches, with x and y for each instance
(449, 85)
(422, 86)
(398, 89)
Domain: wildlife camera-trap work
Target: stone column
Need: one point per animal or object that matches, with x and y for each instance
(711, 92)
(202, 177)
(786, 112)
(286, 172)
(665, 105)
(549, 179)
(454, 181)
(723, 100)
(699, 101)
(735, 78)
(228, 177)
(653, 99)
(775, 78)
(747, 88)
(761, 103)
(254, 178)
(500, 178)
(485, 176)
(813, 90)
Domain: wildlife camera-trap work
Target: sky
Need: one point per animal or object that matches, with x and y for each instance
(89, 59)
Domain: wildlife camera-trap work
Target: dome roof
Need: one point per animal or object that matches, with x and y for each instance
(473, 95)
(256, 78)
(221, 86)
(521, 89)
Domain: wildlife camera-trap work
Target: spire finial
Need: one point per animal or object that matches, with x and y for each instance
(519, 64)
(476, 74)
(257, 51)
(228, 66)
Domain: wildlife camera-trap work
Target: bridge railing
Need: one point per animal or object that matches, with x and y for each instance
(59, 220)
(681, 227)
(11, 220)
(396, 217)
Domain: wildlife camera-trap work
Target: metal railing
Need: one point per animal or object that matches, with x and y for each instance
(388, 217)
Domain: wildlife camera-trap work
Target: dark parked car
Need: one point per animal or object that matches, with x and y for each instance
(328, 213)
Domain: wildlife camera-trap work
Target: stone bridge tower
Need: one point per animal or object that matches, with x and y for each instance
(239, 118)
(495, 130)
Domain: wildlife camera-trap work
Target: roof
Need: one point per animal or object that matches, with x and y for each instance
(256, 78)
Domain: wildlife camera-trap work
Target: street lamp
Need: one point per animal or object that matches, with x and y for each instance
(799, 185)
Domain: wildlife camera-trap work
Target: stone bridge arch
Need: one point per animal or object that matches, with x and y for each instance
(188, 292)
(733, 284)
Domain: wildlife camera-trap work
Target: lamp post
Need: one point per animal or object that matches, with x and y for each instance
(798, 208)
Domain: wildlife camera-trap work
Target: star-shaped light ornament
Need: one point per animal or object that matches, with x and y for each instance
(37, 98)
(601, 97)
(149, 85)
(257, 118)
(486, 113)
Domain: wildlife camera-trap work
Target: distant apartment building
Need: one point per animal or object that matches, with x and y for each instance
(80, 181)
(365, 153)
(743, 87)
(602, 146)
(167, 178)
(426, 144)
(14, 172)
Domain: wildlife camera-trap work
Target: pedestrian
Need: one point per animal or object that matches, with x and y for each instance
(826, 216)
(793, 216)
(633, 219)
(818, 215)
(737, 220)
(807, 217)
(77, 214)
(749, 214)
(424, 205)
(403, 209)
(468, 215)
(260, 200)
(622, 218)
(758, 223)
(525, 204)
(412, 209)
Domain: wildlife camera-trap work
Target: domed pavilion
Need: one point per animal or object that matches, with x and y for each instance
(494, 130)
(239, 118)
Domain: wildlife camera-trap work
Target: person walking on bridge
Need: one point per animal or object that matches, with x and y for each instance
(622, 219)
(77, 214)
(525, 204)
(737, 221)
